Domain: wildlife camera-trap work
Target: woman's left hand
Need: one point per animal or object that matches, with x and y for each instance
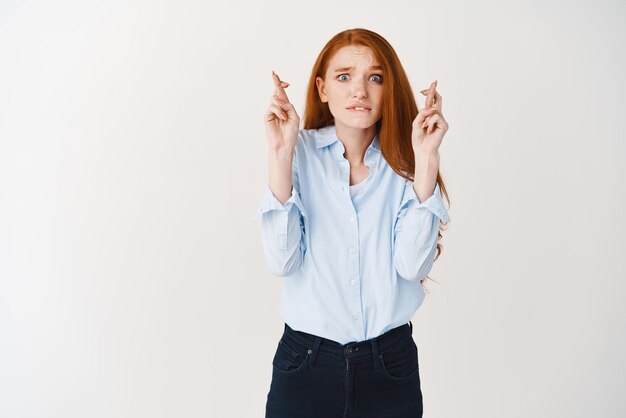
(429, 126)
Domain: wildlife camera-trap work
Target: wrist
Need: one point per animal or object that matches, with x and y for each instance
(282, 154)
(427, 159)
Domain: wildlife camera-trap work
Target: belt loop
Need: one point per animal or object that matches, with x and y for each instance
(316, 346)
(411, 326)
(375, 354)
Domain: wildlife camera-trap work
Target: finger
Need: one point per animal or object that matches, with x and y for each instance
(279, 104)
(438, 123)
(434, 110)
(278, 85)
(279, 99)
(288, 108)
(438, 100)
(270, 114)
(275, 110)
(425, 113)
(426, 122)
(431, 123)
(431, 94)
(422, 115)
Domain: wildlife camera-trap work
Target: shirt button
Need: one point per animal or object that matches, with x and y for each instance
(352, 250)
(353, 282)
(355, 317)
(351, 218)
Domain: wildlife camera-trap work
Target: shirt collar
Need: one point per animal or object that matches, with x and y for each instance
(328, 135)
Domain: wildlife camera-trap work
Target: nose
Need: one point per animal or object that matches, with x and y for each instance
(359, 89)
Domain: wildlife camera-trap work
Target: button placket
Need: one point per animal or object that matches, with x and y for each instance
(354, 285)
(353, 236)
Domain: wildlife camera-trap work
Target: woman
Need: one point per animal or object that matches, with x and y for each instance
(350, 220)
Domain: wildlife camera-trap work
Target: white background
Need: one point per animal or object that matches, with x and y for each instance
(133, 157)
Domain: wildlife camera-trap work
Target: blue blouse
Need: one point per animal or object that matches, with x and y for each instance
(350, 257)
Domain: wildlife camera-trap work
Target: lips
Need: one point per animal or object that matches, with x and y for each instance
(361, 107)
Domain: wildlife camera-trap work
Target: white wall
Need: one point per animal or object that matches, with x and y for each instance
(133, 157)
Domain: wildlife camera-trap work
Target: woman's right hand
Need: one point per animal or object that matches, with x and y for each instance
(281, 120)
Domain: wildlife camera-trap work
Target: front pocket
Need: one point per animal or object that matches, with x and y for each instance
(287, 359)
(400, 362)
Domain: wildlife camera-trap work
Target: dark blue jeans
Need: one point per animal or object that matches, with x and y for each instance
(320, 378)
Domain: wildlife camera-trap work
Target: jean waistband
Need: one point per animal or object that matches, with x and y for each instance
(354, 350)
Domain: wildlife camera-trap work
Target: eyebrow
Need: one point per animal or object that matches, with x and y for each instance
(373, 67)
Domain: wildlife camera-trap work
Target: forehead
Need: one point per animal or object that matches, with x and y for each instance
(352, 55)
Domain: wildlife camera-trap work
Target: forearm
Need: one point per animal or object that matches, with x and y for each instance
(426, 169)
(280, 173)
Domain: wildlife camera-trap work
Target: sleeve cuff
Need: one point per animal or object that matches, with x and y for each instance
(269, 202)
(434, 203)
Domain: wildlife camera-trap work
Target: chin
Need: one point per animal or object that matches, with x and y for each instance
(354, 123)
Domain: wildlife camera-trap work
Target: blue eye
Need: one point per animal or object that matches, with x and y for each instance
(379, 77)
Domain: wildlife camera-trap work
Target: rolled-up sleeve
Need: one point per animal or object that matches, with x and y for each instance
(415, 233)
(282, 230)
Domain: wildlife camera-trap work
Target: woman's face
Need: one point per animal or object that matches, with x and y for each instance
(353, 77)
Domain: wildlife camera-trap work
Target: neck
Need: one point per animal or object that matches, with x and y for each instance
(355, 141)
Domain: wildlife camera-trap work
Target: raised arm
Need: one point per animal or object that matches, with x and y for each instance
(281, 127)
(417, 225)
(281, 211)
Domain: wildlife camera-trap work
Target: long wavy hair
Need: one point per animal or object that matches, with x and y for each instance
(399, 108)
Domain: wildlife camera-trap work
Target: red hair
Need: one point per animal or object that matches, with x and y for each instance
(399, 107)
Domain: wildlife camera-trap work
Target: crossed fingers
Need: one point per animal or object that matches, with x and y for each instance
(433, 100)
(279, 87)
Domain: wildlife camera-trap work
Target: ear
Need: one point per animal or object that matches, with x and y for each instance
(321, 88)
